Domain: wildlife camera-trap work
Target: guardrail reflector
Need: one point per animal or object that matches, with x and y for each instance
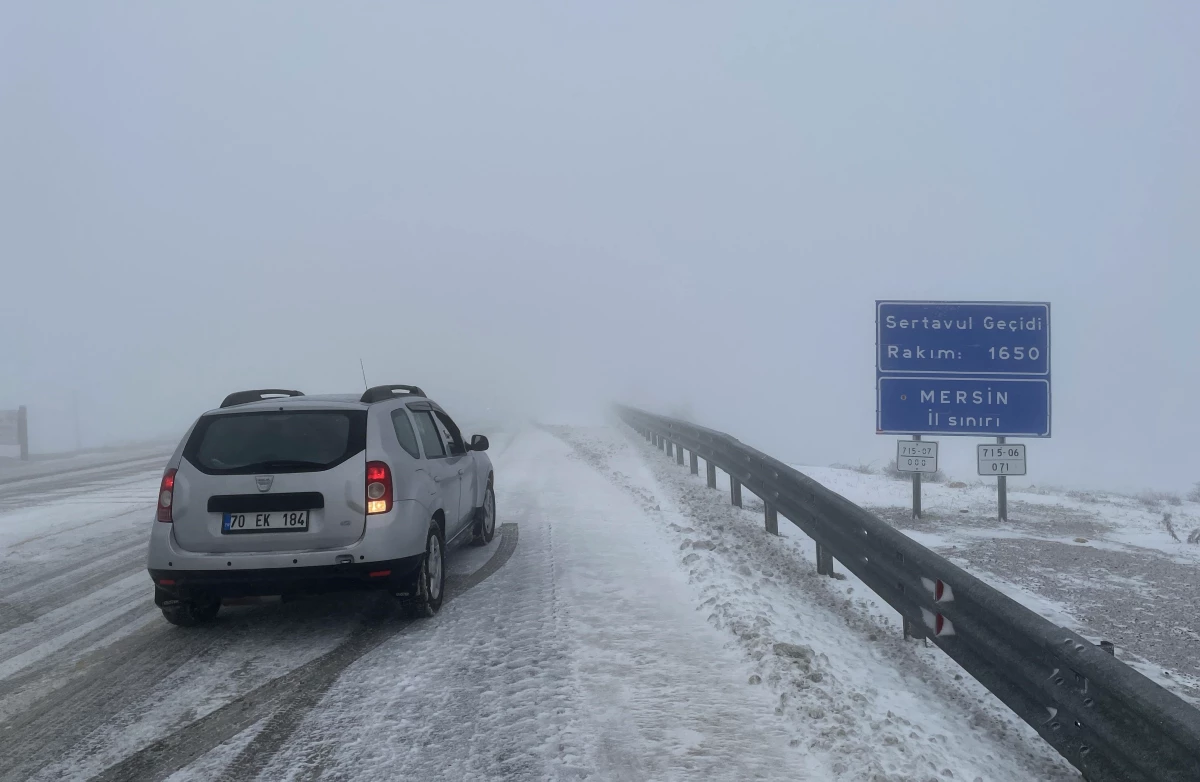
(939, 624)
(941, 591)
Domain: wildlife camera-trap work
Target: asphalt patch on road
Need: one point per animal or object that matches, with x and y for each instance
(287, 700)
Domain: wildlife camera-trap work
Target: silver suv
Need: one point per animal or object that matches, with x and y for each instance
(278, 493)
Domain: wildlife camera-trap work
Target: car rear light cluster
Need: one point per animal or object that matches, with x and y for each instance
(379, 488)
(166, 494)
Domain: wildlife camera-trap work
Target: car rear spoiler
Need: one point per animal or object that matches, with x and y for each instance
(257, 395)
(380, 393)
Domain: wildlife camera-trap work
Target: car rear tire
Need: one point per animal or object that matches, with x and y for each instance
(485, 526)
(431, 579)
(191, 613)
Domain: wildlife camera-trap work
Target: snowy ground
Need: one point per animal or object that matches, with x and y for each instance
(1105, 565)
(626, 625)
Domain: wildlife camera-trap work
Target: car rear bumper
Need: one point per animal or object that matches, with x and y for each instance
(394, 575)
(387, 537)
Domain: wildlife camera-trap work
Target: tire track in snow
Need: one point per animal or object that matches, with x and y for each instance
(485, 694)
(51, 726)
(15, 614)
(21, 613)
(59, 668)
(286, 700)
(119, 544)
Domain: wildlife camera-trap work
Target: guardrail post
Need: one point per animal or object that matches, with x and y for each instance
(916, 481)
(678, 454)
(695, 465)
(712, 475)
(772, 518)
(821, 561)
(735, 491)
(1107, 646)
(670, 445)
(913, 630)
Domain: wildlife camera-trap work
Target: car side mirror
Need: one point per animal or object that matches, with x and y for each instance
(479, 443)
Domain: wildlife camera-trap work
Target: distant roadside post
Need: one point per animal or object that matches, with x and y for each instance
(963, 368)
(14, 430)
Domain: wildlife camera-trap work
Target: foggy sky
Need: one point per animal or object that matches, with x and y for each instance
(538, 207)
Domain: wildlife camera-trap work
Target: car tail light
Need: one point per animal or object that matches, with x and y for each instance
(166, 494)
(379, 488)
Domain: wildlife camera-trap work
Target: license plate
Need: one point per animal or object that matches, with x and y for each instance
(273, 521)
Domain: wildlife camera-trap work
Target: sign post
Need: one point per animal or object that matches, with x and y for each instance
(916, 485)
(1002, 491)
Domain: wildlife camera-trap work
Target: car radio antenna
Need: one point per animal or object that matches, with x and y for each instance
(364, 373)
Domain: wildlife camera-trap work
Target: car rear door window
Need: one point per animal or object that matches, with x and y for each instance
(275, 441)
(405, 433)
(430, 439)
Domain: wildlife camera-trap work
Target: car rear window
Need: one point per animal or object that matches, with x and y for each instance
(404, 433)
(276, 441)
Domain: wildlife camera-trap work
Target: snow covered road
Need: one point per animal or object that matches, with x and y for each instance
(638, 629)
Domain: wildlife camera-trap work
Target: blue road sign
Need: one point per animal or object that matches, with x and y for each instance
(963, 368)
(1000, 407)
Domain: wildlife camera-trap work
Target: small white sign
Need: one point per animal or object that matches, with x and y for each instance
(8, 427)
(1007, 459)
(916, 455)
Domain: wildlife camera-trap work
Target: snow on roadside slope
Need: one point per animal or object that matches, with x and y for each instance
(1045, 513)
(1103, 564)
(873, 705)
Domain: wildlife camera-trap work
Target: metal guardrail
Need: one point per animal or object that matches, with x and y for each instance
(1106, 719)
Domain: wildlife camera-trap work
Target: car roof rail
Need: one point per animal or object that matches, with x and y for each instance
(380, 393)
(257, 395)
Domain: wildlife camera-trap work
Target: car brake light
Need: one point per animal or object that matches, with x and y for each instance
(379, 488)
(166, 493)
